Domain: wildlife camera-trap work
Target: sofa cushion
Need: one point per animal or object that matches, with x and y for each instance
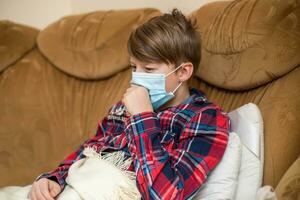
(289, 186)
(15, 41)
(248, 43)
(92, 45)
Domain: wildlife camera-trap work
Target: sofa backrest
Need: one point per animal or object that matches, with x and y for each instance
(63, 79)
(55, 85)
(251, 53)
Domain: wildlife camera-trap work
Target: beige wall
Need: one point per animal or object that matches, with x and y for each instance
(186, 6)
(36, 13)
(40, 13)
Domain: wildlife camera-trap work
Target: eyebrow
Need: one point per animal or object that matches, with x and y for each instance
(144, 66)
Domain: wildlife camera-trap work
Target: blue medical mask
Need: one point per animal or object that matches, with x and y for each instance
(156, 85)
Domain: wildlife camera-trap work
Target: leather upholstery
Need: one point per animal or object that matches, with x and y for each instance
(55, 89)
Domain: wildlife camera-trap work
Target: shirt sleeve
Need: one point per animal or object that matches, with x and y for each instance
(177, 173)
(102, 137)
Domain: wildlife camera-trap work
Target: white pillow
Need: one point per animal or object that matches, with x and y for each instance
(247, 122)
(221, 183)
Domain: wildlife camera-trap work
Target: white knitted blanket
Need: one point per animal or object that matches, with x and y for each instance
(94, 177)
(101, 177)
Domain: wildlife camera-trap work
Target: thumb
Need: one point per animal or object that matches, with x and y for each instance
(54, 188)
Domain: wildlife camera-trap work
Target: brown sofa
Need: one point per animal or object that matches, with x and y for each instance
(57, 83)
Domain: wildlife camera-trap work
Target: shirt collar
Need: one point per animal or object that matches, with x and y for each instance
(195, 96)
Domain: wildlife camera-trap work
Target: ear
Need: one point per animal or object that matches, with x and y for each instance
(186, 71)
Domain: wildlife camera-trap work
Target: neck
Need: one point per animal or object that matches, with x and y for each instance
(180, 95)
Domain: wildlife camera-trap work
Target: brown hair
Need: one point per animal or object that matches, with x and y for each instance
(170, 38)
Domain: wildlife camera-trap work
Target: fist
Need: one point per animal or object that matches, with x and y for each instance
(136, 99)
(44, 189)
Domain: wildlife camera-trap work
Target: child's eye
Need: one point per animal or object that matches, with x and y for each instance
(149, 69)
(133, 67)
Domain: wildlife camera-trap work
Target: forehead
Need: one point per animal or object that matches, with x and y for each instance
(155, 64)
(132, 59)
(137, 61)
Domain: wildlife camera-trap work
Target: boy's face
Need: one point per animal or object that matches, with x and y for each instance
(172, 81)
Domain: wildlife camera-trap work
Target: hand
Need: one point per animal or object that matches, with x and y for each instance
(44, 189)
(136, 99)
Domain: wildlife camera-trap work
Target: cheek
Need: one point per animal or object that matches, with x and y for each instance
(171, 83)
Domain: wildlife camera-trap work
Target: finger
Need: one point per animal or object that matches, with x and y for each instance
(45, 190)
(54, 189)
(32, 192)
(135, 85)
(54, 192)
(126, 94)
(140, 88)
(38, 193)
(129, 89)
(32, 196)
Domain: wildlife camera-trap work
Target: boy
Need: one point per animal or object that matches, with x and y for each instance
(174, 134)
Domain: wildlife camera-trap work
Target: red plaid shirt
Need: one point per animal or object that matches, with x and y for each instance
(174, 150)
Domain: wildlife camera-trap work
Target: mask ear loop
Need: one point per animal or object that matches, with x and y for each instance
(174, 70)
(179, 83)
(176, 88)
